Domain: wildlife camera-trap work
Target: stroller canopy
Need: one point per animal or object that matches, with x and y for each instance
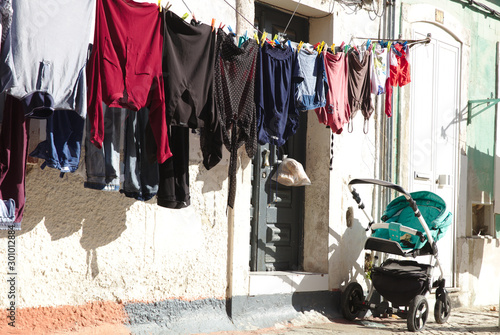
(433, 210)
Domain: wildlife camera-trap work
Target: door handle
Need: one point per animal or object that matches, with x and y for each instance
(422, 175)
(265, 161)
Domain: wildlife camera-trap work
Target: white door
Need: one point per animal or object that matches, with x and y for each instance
(435, 70)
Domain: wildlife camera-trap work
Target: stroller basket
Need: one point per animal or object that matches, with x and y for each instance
(433, 209)
(399, 281)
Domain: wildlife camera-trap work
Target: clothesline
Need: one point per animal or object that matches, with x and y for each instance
(409, 42)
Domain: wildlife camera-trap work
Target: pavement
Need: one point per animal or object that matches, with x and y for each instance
(482, 320)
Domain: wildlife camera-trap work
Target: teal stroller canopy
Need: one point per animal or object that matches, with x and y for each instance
(398, 212)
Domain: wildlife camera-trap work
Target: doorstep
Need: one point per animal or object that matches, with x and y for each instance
(283, 282)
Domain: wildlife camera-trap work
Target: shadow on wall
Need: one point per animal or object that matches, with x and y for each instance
(345, 252)
(64, 206)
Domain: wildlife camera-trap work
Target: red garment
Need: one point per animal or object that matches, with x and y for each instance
(124, 69)
(14, 140)
(337, 110)
(398, 76)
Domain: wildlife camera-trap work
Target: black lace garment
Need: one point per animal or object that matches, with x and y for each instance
(234, 81)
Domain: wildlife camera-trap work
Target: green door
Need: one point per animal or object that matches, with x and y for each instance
(277, 211)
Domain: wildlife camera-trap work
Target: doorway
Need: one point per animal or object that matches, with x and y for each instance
(277, 211)
(434, 126)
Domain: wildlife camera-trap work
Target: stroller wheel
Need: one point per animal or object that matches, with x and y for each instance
(351, 301)
(442, 309)
(417, 313)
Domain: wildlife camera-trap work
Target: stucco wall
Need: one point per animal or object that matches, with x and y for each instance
(78, 245)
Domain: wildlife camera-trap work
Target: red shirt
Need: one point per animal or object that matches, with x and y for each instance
(125, 67)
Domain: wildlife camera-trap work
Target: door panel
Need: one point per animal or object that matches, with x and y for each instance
(434, 130)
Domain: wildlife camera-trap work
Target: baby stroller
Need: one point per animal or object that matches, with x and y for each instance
(411, 225)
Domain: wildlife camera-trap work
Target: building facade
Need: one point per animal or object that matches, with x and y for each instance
(91, 255)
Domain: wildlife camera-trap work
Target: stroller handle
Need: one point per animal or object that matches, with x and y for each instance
(378, 182)
(411, 202)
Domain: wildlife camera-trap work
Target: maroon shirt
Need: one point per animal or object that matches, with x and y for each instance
(125, 67)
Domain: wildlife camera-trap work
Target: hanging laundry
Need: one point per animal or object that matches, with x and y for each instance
(380, 70)
(277, 117)
(43, 59)
(234, 84)
(358, 84)
(173, 184)
(337, 111)
(61, 149)
(102, 165)
(7, 213)
(188, 65)
(124, 69)
(309, 78)
(6, 17)
(399, 72)
(13, 154)
(140, 166)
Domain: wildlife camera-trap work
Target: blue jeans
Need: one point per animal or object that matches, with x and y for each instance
(141, 167)
(103, 165)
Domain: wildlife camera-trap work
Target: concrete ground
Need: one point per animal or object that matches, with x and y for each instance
(477, 320)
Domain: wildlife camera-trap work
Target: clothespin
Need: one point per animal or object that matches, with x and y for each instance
(321, 46)
(263, 38)
(159, 5)
(300, 46)
(185, 16)
(167, 7)
(290, 44)
(389, 45)
(316, 45)
(342, 45)
(230, 30)
(368, 43)
(213, 24)
(221, 26)
(256, 37)
(333, 48)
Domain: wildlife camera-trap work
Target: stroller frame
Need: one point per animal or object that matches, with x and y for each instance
(353, 301)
